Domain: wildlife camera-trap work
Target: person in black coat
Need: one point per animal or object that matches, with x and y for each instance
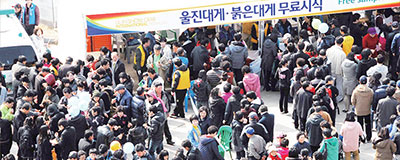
(105, 133)
(233, 105)
(80, 124)
(54, 115)
(5, 137)
(204, 120)
(193, 153)
(200, 57)
(299, 54)
(217, 106)
(283, 74)
(155, 129)
(62, 71)
(19, 119)
(117, 67)
(259, 129)
(86, 143)
(25, 140)
(44, 147)
(365, 63)
(303, 101)
(65, 139)
(267, 120)
(23, 87)
(138, 107)
(268, 56)
(137, 134)
(127, 81)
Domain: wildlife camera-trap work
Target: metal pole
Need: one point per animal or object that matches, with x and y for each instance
(261, 27)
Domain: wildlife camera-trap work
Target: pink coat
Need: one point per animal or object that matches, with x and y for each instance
(351, 132)
(251, 82)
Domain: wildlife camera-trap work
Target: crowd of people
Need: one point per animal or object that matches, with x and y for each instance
(355, 62)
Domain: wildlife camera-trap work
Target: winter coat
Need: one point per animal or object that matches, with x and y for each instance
(269, 54)
(232, 106)
(364, 65)
(362, 100)
(396, 140)
(137, 135)
(201, 90)
(237, 128)
(386, 108)
(351, 132)
(204, 124)
(213, 77)
(125, 100)
(379, 94)
(370, 42)
(43, 151)
(284, 77)
(156, 127)
(80, 125)
(256, 146)
(62, 71)
(259, 129)
(193, 154)
(302, 102)
(118, 68)
(5, 134)
(194, 136)
(138, 109)
(251, 82)
(350, 80)
(384, 149)
(26, 142)
(380, 68)
(294, 57)
(332, 146)
(336, 56)
(357, 33)
(299, 146)
(95, 122)
(128, 85)
(18, 122)
(217, 110)
(313, 130)
(209, 148)
(238, 54)
(85, 145)
(67, 141)
(105, 135)
(54, 121)
(200, 56)
(268, 121)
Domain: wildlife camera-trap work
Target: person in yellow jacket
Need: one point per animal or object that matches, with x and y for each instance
(140, 59)
(254, 34)
(180, 85)
(348, 40)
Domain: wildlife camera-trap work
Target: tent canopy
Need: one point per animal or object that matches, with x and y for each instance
(124, 16)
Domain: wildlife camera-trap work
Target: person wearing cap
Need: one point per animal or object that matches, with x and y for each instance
(139, 60)
(92, 154)
(66, 67)
(256, 145)
(336, 56)
(180, 85)
(124, 99)
(226, 34)
(105, 133)
(117, 67)
(154, 60)
(371, 40)
(313, 129)
(259, 129)
(65, 140)
(361, 99)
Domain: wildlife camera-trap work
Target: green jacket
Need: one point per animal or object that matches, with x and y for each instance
(332, 146)
(5, 113)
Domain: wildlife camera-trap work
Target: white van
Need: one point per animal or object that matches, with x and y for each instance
(14, 41)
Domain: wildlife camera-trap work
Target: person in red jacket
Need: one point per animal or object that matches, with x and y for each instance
(371, 41)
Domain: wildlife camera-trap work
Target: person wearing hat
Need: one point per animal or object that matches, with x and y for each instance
(124, 99)
(259, 129)
(154, 60)
(256, 145)
(226, 34)
(361, 99)
(117, 67)
(127, 81)
(371, 40)
(92, 154)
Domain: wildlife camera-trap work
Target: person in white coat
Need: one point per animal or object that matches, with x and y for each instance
(336, 55)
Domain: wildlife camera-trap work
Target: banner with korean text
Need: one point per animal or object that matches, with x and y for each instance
(224, 13)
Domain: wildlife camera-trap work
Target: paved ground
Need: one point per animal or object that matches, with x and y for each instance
(283, 123)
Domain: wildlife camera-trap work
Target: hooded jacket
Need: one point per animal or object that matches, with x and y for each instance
(251, 82)
(351, 132)
(269, 54)
(202, 90)
(364, 65)
(232, 106)
(332, 145)
(350, 81)
(156, 127)
(238, 53)
(209, 148)
(138, 109)
(80, 125)
(384, 149)
(217, 110)
(362, 100)
(313, 130)
(178, 77)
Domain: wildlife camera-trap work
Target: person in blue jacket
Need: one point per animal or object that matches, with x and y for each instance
(195, 131)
